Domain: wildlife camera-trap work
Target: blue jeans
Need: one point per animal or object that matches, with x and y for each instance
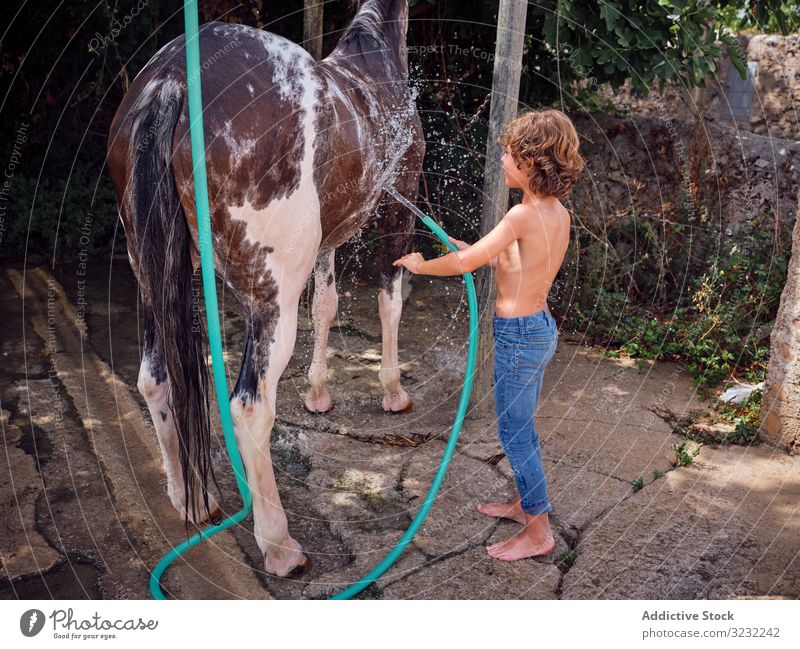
(523, 345)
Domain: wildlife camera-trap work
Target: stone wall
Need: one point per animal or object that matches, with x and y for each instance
(765, 103)
(658, 164)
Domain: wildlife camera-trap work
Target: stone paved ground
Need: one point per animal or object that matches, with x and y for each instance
(85, 512)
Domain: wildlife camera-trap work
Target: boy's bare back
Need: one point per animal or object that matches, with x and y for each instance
(526, 269)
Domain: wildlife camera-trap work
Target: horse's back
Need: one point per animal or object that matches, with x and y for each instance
(257, 88)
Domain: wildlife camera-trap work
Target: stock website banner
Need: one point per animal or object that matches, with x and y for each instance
(763, 623)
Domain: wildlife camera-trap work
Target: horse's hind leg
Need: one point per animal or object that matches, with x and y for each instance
(153, 385)
(269, 291)
(253, 410)
(323, 310)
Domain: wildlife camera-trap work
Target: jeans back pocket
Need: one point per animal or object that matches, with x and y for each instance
(532, 354)
(535, 342)
(540, 338)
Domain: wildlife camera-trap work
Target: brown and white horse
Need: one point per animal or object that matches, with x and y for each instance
(298, 153)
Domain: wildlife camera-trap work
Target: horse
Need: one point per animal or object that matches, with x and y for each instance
(299, 154)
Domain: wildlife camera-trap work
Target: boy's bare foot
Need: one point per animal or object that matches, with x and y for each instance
(527, 543)
(510, 510)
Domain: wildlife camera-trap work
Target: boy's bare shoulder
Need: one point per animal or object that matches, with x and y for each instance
(527, 219)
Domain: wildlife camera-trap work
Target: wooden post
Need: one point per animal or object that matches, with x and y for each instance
(312, 27)
(511, 16)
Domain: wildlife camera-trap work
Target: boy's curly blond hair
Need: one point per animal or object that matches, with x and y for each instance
(546, 138)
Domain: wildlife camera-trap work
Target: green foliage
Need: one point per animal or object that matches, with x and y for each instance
(646, 41)
(745, 417)
(638, 484)
(761, 17)
(705, 298)
(684, 457)
(58, 218)
(568, 557)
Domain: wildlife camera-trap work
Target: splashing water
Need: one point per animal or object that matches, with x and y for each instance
(398, 135)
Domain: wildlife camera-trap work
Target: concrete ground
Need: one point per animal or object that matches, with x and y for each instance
(85, 512)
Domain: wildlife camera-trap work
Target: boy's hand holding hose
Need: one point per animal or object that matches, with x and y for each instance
(413, 261)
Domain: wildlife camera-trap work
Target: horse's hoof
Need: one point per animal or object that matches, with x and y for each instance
(216, 515)
(409, 407)
(287, 559)
(318, 412)
(318, 403)
(302, 567)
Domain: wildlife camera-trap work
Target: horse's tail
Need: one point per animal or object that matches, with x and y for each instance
(166, 277)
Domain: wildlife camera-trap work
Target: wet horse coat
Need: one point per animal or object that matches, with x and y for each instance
(298, 153)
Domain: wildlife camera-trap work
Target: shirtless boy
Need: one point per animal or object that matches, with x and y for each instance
(527, 248)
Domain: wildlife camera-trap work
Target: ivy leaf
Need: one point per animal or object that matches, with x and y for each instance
(623, 35)
(610, 15)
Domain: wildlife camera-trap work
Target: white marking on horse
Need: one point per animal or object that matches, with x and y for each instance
(395, 397)
(156, 396)
(284, 59)
(239, 146)
(290, 223)
(324, 306)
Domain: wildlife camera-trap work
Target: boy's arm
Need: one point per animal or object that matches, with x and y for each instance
(483, 251)
(463, 245)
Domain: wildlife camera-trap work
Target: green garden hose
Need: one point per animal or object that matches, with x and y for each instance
(215, 339)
